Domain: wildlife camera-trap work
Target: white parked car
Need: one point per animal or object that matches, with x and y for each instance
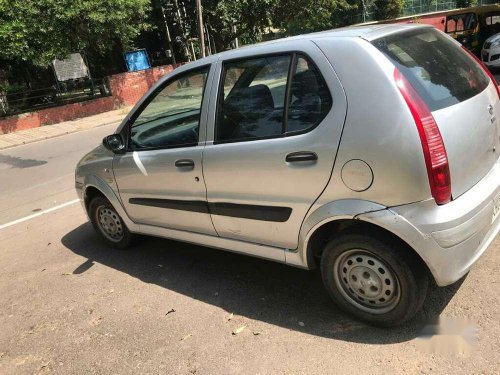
(491, 51)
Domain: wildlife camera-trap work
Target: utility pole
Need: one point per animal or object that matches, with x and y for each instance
(210, 37)
(188, 32)
(234, 30)
(169, 38)
(209, 47)
(200, 28)
(183, 31)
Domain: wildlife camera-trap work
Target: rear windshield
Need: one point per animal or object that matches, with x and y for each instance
(441, 72)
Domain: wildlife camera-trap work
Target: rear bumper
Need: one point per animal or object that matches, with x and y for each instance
(452, 237)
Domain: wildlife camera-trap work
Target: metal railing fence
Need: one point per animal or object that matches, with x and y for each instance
(20, 101)
(413, 7)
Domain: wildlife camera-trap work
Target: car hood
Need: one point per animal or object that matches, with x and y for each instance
(493, 38)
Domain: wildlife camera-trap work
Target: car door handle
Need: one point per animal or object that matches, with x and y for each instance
(296, 157)
(184, 163)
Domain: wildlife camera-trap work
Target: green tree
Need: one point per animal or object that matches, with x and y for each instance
(250, 19)
(230, 19)
(351, 12)
(466, 3)
(298, 17)
(37, 31)
(387, 9)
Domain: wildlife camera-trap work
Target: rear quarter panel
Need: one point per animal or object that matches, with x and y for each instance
(379, 128)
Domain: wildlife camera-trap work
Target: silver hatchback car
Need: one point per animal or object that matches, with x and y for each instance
(368, 152)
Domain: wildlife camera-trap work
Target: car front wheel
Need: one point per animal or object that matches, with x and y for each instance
(108, 223)
(373, 279)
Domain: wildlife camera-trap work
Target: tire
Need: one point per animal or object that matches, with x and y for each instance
(375, 280)
(110, 227)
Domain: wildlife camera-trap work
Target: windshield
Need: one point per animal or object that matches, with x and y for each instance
(441, 72)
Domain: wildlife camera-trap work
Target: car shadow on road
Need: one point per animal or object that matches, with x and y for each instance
(257, 289)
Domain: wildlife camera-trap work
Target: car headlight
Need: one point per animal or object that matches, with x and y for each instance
(496, 43)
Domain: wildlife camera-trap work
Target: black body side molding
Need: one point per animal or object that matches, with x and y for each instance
(244, 211)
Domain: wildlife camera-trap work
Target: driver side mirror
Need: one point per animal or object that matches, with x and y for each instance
(114, 142)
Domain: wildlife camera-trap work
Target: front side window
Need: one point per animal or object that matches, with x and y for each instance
(172, 116)
(492, 24)
(492, 19)
(258, 100)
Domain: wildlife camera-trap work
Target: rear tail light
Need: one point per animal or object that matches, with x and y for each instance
(485, 68)
(435, 156)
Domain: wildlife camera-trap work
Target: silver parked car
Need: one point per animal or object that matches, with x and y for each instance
(368, 152)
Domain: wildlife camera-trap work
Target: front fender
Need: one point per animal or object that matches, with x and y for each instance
(337, 210)
(107, 191)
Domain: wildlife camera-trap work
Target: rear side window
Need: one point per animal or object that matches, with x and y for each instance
(441, 72)
(309, 97)
(270, 96)
(492, 19)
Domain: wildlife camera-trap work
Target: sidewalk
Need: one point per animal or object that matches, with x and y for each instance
(50, 131)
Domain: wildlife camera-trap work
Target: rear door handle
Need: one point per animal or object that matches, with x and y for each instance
(184, 163)
(299, 156)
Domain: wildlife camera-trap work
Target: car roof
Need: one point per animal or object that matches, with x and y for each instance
(367, 32)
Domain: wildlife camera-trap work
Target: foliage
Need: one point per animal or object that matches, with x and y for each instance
(387, 9)
(251, 18)
(297, 17)
(466, 3)
(9, 89)
(38, 31)
(34, 32)
(354, 11)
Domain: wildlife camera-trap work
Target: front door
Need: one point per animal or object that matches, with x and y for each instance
(277, 129)
(160, 177)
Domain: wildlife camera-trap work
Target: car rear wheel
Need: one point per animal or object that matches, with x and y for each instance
(108, 223)
(374, 280)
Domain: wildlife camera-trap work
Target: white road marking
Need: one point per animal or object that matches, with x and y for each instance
(26, 218)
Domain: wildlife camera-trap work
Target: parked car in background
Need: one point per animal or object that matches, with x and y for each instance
(344, 150)
(490, 54)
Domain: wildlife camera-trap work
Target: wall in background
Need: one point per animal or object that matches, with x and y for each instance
(126, 89)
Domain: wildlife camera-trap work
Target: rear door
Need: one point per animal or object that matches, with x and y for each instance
(463, 100)
(272, 144)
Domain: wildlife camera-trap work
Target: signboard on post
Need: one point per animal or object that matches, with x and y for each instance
(137, 60)
(73, 67)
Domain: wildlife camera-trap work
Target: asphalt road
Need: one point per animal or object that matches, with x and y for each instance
(39, 176)
(70, 305)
